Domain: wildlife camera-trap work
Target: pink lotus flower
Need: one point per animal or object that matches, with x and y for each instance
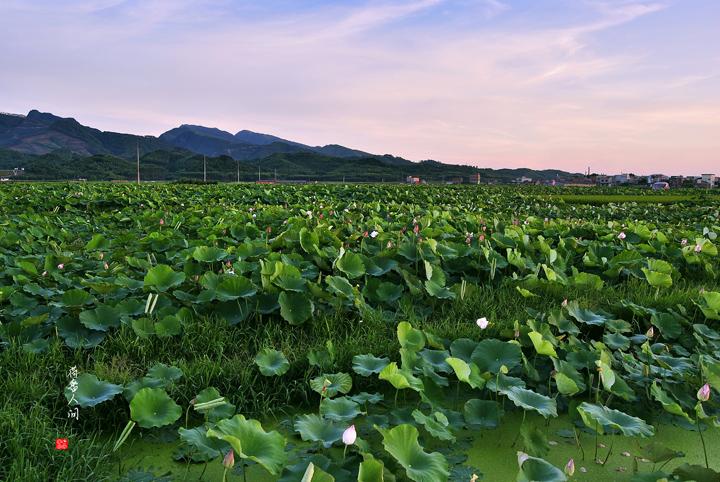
(570, 467)
(416, 229)
(349, 435)
(698, 248)
(162, 222)
(481, 238)
(482, 323)
(564, 303)
(365, 234)
(622, 235)
(229, 460)
(61, 266)
(704, 393)
(683, 242)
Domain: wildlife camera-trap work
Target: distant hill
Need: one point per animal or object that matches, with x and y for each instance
(52, 147)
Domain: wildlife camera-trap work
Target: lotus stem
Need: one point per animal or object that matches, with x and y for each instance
(702, 441)
(577, 442)
(520, 429)
(225, 475)
(612, 442)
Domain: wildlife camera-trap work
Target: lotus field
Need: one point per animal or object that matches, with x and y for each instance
(358, 333)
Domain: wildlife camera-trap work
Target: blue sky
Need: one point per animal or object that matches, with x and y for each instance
(621, 85)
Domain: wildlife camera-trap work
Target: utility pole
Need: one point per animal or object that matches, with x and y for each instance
(138, 162)
(204, 169)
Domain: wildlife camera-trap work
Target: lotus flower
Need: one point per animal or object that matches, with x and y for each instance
(570, 467)
(106, 266)
(482, 323)
(481, 238)
(683, 242)
(365, 234)
(622, 235)
(102, 255)
(162, 222)
(522, 457)
(374, 234)
(229, 460)
(474, 478)
(349, 435)
(698, 248)
(650, 333)
(416, 229)
(44, 273)
(564, 303)
(704, 393)
(61, 266)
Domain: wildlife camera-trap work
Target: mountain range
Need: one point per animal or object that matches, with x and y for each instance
(50, 147)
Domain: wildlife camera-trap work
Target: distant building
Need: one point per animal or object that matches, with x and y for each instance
(455, 180)
(660, 186)
(412, 180)
(603, 180)
(523, 180)
(475, 178)
(653, 178)
(707, 180)
(624, 178)
(676, 181)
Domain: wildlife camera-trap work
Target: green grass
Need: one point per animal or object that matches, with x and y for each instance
(210, 353)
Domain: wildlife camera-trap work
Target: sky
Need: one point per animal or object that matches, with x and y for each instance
(617, 85)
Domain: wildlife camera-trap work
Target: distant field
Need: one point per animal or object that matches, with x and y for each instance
(623, 198)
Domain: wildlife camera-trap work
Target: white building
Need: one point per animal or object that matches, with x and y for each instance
(708, 180)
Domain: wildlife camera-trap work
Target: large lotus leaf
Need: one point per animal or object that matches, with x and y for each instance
(371, 469)
(333, 383)
(295, 308)
(272, 362)
(351, 264)
(233, 288)
(669, 325)
(696, 473)
(535, 469)
(542, 346)
(209, 254)
(152, 407)
(341, 409)
(76, 335)
(143, 327)
(657, 279)
(162, 278)
(250, 441)
(436, 360)
(340, 286)
(91, 391)
(367, 365)
(201, 447)
(616, 341)
(670, 405)
(309, 241)
(435, 424)
(168, 326)
(226, 410)
(409, 337)
(706, 332)
(529, 400)
(491, 354)
(710, 304)
(502, 383)
(657, 453)
(388, 292)
(598, 417)
(101, 318)
(400, 379)
(364, 398)
(402, 443)
(135, 386)
(316, 474)
(468, 373)
(76, 298)
(463, 348)
(586, 316)
(481, 413)
(165, 373)
(234, 312)
(313, 428)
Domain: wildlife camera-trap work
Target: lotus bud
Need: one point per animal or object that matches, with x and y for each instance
(61, 266)
(349, 435)
(102, 255)
(650, 333)
(374, 234)
(564, 303)
(162, 222)
(481, 238)
(365, 234)
(106, 266)
(622, 235)
(229, 460)
(482, 323)
(570, 467)
(683, 242)
(44, 273)
(522, 457)
(474, 478)
(704, 393)
(698, 248)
